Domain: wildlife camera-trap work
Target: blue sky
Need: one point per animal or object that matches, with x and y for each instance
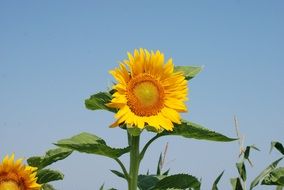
(55, 54)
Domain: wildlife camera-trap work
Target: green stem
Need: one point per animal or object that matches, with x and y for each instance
(134, 161)
(123, 168)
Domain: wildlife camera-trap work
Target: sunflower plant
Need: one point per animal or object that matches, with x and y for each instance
(149, 94)
(15, 175)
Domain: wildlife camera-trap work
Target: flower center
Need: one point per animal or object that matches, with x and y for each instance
(145, 95)
(9, 185)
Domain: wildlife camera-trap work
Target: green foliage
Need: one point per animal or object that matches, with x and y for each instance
(178, 181)
(242, 170)
(98, 102)
(44, 176)
(239, 183)
(50, 157)
(247, 151)
(102, 187)
(192, 130)
(275, 177)
(166, 172)
(278, 146)
(89, 143)
(189, 130)
(159, 167)
(159, 164)
(162, 182)
(35, 161)
(47, 175)
(269, 176)
(117, 173)
(188, 71)
(47, 187)
(148, 182)
(264, 173)
(236, 184)
(215, 187)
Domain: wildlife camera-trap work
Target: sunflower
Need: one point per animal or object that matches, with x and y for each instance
(148, 91)
(16, 176)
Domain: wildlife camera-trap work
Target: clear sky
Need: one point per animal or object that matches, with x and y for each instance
(55, 54)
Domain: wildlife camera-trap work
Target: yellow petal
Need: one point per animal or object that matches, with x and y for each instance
(177, 105)
(171, 114)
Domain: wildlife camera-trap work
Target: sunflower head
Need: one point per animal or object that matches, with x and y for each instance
(148, 92)
(16, 176)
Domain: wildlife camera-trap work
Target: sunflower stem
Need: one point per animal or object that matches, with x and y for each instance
(134, 161)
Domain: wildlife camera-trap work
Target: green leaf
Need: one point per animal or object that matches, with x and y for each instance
(178, 181)
(236, 184)
(47, 175)
(98, 102)
(50, 157)
(275, 177)
(247, 151)
(188, 71)
(102, 187)
(215, 187)
(278, 146)
(242, 170)
(159, 165)
(148, 182)
(195, 131)
(35, 161)
(117, 173)
(47, 187)
(264, 173)
(166, 172)
(89, 143)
